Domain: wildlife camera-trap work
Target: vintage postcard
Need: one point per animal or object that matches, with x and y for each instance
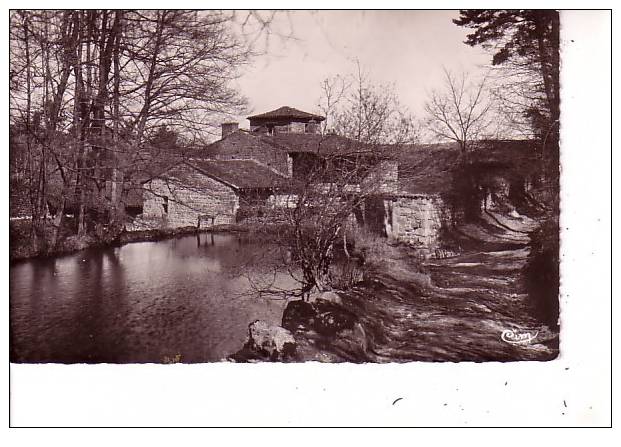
(199, 187)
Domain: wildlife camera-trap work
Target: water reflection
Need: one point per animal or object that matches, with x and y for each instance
(142, 302)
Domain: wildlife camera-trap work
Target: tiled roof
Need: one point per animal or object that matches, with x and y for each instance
(242, 138)
(430, 168)
(287, 112)
(239, 174)
(315, 143)
(286, 142)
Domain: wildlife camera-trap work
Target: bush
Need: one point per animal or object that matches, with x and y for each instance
(346, 274)
(542, 273)
(371, 247)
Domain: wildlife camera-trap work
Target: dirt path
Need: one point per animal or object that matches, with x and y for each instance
(461, 314)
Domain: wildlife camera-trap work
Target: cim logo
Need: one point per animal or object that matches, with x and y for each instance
(518, 336)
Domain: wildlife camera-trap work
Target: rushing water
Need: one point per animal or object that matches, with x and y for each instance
(188, 299)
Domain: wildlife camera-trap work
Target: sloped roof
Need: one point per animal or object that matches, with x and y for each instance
(315, 143)
(286, 142)
(427, 168)
(423, 168)
(239, 174)
(240, 137)
(521, 155)
(287, 112)
(430, 168)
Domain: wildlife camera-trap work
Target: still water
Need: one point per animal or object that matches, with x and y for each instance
(188, 299)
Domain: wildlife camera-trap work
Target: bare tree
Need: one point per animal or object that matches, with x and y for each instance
(334, 183)
(461, 112)
(41, 46)
(333, 91)
(367, 111)
(331, 198)
(89, 89)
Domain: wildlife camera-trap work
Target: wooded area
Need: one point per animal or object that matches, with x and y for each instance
(94, 95)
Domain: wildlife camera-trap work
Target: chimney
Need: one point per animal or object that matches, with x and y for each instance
(229, 128)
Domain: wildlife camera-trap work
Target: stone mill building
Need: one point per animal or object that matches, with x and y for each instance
(246, 170)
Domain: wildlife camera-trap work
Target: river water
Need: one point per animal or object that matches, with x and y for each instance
(188, 299)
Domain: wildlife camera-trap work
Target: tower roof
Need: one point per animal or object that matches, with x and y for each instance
(287, 112)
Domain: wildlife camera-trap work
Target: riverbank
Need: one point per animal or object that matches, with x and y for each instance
(21, 249)
(473, 306)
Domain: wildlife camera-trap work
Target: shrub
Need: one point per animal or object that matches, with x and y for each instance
(371, 247)
(346, 274)
(542, 273)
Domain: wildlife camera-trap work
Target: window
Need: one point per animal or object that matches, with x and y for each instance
(165, 205)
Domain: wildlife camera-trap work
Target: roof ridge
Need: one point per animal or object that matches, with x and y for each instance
(239, 173)
(285, 111)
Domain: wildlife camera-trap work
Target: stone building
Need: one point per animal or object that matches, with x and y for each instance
(252, 168)
(203, 193)
(414, 218)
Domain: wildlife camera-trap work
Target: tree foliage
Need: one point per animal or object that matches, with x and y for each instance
(525, 43)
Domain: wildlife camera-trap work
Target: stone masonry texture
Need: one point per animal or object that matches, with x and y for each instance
(207, 200)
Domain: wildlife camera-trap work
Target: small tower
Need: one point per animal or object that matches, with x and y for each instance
(285, 120)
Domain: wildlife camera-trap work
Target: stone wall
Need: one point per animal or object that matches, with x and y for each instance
(297, 127)
(415, 219)
(198, 199)
(282, 200)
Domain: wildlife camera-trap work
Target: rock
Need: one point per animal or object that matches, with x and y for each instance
(331, 318)
(247, 354)
(323, 316)
(331, 297)
(298, 315)
(273, 341)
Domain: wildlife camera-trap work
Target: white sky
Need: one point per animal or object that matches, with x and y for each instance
(407, 48)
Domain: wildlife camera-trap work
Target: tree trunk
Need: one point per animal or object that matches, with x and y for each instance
(58, 223)
(345, 243)
(114, 193)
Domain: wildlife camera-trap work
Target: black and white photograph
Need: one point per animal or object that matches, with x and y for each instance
(282, 187)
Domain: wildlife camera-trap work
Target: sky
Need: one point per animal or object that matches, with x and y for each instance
(406, 48)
